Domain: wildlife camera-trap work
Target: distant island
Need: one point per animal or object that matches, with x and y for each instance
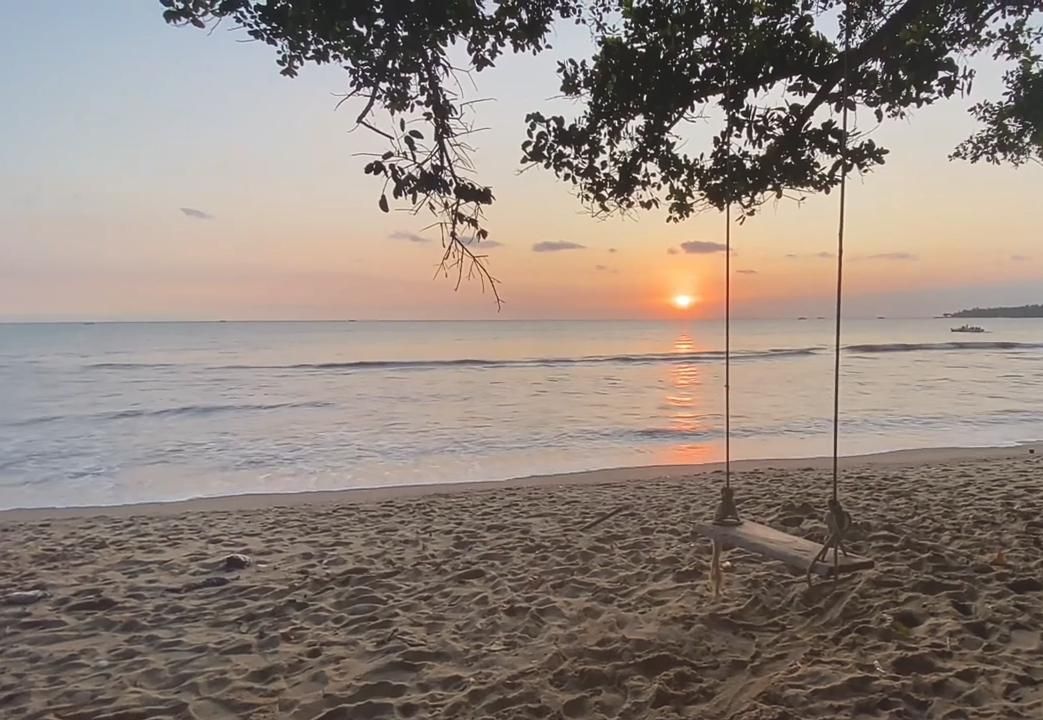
(1021, 311)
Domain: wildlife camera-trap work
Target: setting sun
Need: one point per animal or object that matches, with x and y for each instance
(683, 302)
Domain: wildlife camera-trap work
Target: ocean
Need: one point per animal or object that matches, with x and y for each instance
(101, 414)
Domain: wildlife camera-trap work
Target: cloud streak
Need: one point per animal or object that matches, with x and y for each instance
(484, 244)
(556, 246)
(672, 251)
(196, 214)
(411, 237)
(702, 247)
(1019, 258)
(746, 272)
(823, 255)
(902, 256)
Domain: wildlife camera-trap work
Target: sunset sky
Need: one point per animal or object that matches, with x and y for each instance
(152, 172)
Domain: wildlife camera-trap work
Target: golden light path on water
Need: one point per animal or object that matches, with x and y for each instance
(685, 406)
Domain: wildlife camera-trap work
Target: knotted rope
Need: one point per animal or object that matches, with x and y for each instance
(838, 522)
(727, 513)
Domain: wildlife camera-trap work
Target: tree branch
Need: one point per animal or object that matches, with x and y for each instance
(872, 47)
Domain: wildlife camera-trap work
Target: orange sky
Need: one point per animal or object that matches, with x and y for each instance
(107, 152)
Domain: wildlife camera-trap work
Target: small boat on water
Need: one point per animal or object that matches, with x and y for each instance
(968, 329)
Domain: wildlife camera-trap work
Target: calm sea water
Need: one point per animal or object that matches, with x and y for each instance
(116, 413)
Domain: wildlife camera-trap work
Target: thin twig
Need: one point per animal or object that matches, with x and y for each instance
(603, 518)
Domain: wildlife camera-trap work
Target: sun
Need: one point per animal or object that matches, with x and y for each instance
(683, 302)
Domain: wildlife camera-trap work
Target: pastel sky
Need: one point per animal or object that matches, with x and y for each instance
(152, 172)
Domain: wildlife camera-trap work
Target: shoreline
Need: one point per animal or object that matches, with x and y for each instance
(256, 501)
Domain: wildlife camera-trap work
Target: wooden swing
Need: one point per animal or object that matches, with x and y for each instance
(727, 529)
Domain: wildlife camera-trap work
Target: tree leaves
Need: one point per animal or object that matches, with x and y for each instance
(668, 64)
(1012, 127)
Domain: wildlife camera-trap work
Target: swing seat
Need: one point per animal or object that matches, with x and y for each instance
(796, 552)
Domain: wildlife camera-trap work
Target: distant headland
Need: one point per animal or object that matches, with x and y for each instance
(1020, 311)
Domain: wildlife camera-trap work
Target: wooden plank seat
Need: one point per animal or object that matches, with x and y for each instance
(796, 552)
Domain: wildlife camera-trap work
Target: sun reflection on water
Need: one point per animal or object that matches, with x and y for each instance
(686, 409)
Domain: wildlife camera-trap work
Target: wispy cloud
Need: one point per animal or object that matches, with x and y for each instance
(1019, 258)
(197, 214)
(746, 272)
(411, 237)
(702, 247)
(612, 250)
(672, 251)
(892, 256)
(556, 246)
(823, 255)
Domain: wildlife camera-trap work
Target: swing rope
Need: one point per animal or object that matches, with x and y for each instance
(838, 520)
(840, 255)
(728, 345)
(727, 513)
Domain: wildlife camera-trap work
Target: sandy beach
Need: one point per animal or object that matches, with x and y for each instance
(492, 601)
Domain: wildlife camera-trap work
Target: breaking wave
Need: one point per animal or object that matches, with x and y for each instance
(704, 356)
(184, 410)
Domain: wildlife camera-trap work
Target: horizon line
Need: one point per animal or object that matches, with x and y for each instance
(241, 321)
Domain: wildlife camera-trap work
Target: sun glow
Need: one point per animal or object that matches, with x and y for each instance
(683, 302)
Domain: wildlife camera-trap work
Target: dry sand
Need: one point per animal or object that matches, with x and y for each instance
(491, 602)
